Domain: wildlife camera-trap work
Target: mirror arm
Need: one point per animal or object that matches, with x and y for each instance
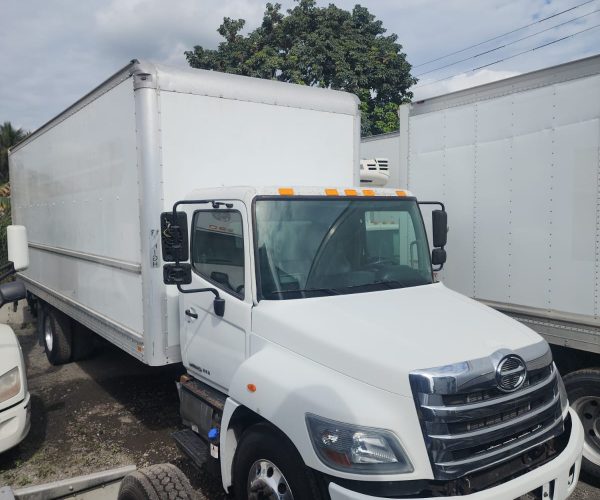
(7, 270)
(195, 290)
(432, 203)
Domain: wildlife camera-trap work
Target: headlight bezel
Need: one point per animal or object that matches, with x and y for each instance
(10, 388)
(344, 448)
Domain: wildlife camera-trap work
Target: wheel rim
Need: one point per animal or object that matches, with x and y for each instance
(267, 482)
(588, 410)
(48, 337)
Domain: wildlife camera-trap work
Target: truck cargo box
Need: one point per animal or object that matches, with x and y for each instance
(90, 184)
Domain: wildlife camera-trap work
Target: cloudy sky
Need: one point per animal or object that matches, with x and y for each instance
(54, 51)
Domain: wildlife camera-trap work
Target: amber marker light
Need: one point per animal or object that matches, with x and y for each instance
(368, 192)
(350, 192)
(331, 192)
(286, 191)
(401, 193)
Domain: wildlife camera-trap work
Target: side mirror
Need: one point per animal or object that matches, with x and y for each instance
(439, 219)
(219, 305)
(177, 274)
(18, 251)
(12, 291)
(174, 237)
(438, 256)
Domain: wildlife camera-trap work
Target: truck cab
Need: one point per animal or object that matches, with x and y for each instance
(340, 367)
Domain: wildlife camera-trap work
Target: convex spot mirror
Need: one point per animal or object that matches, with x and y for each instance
(18, 251)
(438, 256)
(13, 291)
(439, 219)
(177, 274)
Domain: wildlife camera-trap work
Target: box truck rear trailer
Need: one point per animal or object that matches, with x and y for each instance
(517, 162)
(216, 220)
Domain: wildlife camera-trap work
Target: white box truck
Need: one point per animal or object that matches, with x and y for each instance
(216, 220)
(517, 163)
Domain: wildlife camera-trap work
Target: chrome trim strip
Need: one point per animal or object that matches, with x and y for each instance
(469, 376)
(444, 411)
(98, 259)
(504, 449)
(486, 431)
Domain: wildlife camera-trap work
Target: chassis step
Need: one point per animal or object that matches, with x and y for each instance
(192, 445)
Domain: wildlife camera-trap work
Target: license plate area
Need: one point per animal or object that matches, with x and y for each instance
(544, 492)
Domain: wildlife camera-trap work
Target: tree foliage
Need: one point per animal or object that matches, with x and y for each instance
(319, 46)
(9, 136)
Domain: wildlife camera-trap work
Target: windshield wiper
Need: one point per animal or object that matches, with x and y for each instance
(329, 291)
(388, 284)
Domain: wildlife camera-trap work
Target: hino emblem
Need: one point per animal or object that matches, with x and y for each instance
(511, 373)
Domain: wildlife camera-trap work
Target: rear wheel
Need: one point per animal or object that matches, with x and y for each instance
(56, 336)
(157, 482)
(268, 467)
(583, 388)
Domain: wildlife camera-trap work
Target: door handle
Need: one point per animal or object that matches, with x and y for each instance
(188, 312)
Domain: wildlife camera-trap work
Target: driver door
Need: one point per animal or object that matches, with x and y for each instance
(213, 347)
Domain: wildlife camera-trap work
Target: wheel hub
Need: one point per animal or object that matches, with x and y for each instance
(588, 410)
(48, 337)
(267, 482)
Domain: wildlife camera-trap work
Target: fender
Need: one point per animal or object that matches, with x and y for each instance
(288, 386)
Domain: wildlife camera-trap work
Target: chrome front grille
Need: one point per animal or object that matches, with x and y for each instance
(470, 422)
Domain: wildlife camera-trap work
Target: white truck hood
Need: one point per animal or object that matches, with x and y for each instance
(380, 337)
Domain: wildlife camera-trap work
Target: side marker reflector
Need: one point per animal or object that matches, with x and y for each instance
(331, 192)
(286, 191)
(350, 192)
(251, 388)
(368, 192)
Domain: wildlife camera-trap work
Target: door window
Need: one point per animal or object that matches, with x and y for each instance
(218, 248)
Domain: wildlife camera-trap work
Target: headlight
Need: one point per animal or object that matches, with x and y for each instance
(350, 448)
(564, 400)
(10, 384)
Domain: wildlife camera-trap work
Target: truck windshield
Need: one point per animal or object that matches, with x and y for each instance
(315, 247)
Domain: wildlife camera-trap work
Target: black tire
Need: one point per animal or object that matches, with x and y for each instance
(262, 442)
(583, 389)
(56, 336)
(84, 342)
(33, 304)
(157, 482)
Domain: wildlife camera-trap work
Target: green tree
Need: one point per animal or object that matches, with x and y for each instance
(319, 46)
(9, 136)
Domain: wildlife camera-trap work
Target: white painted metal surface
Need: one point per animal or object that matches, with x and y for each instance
(91, 183)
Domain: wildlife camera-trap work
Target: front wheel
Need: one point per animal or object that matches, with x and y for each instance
(583, 389)
(268, 467)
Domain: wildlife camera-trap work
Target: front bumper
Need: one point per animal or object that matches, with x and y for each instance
(562, 472)
(14, 424)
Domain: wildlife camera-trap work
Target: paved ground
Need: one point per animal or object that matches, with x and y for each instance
(106, 412)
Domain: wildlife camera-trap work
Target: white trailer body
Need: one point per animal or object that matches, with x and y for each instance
(110, 164)
(517, 163)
